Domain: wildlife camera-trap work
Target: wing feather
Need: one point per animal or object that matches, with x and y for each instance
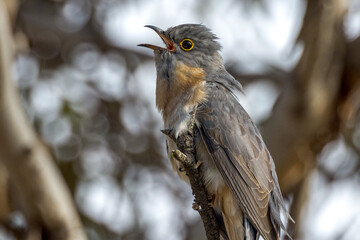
(240, 155)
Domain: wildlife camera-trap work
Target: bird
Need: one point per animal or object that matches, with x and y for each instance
(238, 170)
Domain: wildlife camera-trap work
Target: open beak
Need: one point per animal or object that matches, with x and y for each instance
(169, 44)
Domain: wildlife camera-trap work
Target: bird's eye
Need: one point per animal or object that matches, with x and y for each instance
(186, 44)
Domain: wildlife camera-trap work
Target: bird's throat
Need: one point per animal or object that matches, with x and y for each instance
(184, 89)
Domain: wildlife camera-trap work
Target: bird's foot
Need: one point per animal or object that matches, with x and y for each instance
(180, 156)
(211, 200)
(198, 164)
(195, 206)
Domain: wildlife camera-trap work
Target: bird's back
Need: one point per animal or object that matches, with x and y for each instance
(235, 147)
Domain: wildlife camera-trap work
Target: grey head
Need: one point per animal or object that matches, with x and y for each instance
(191, 44)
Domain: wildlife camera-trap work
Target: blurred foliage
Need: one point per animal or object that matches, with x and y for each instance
(82, 95)
(92, 102)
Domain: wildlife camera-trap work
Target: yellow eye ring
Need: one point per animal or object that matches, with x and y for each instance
(186, 44)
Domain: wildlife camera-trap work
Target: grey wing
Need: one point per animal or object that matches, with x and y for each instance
(241, 157)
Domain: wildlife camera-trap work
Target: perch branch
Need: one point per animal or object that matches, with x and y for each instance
(186, 156)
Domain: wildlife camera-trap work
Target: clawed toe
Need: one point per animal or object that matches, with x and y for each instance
(195, 206)
(198, 164)
(211, 200)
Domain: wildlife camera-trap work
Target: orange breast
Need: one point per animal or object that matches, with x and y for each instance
(185, 88)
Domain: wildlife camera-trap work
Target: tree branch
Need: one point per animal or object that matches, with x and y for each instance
(44, 198)
(187, 157)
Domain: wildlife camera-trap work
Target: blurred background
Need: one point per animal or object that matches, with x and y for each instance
(89, 93)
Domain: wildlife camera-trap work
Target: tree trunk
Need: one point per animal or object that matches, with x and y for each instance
(44, 197)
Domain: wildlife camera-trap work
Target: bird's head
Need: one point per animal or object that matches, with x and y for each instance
(189, 59)
(193, 45)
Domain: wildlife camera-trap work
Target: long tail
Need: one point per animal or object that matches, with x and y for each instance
(231, 214)
(249, 230)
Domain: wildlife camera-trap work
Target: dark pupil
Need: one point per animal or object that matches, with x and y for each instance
(187, 44)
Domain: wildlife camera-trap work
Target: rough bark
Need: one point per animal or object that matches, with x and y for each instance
(41, 191)
(186, 155)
